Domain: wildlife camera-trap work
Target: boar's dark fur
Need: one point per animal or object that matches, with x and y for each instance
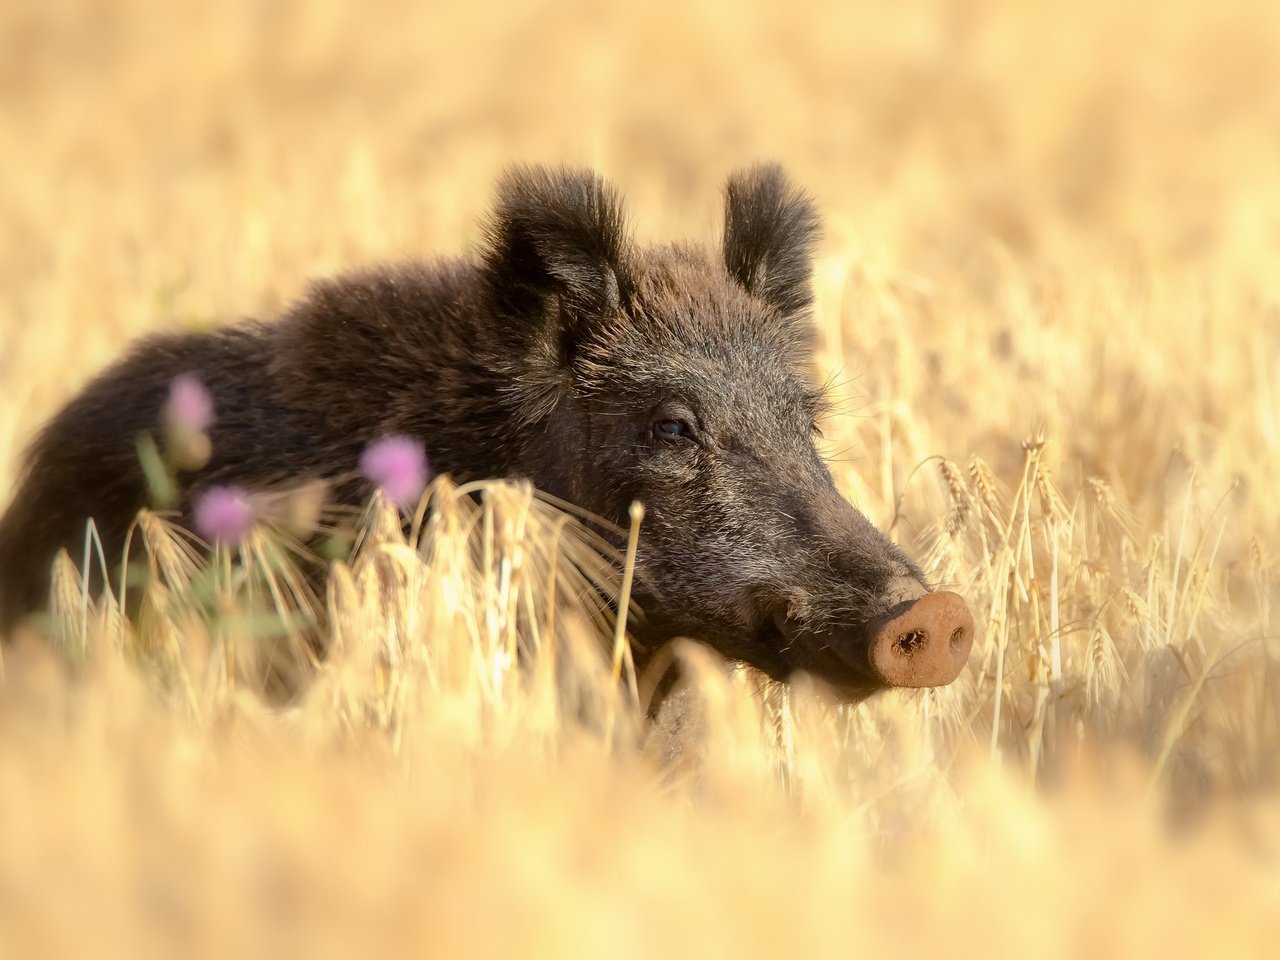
(563, 353)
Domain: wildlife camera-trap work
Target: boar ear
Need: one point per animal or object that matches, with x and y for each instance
(556, 242)
(770, 230)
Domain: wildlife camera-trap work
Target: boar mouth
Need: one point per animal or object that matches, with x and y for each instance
(922, 642)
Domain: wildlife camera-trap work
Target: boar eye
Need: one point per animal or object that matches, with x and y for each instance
(672, 430)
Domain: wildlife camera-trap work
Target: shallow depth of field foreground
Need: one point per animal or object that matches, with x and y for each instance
(1049, 308)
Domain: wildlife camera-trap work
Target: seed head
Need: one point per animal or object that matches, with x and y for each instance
(302, 508)
(954, 481)
(398, 467)
(188, 413)
(223, 515)
(190, 405)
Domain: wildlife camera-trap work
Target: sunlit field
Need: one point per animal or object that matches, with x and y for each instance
(1048, 306)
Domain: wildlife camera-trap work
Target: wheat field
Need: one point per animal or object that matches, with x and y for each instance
(1048, 306)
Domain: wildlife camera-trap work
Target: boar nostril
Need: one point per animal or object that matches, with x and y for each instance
(908, 643)
(957, 636)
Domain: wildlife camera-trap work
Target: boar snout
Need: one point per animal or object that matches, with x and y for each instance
(922, 643)
(923, 640)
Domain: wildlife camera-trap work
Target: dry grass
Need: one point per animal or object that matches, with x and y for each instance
(1048, 305)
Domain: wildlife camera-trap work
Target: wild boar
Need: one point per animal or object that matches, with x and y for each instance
(566, 354)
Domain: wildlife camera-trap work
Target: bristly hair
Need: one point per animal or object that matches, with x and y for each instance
(770, 230)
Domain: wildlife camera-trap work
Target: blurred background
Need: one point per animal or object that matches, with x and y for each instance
(1048, 304)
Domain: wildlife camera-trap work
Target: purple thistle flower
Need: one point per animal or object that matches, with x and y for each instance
(190, 406)
(398, 467)
(223, 515)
